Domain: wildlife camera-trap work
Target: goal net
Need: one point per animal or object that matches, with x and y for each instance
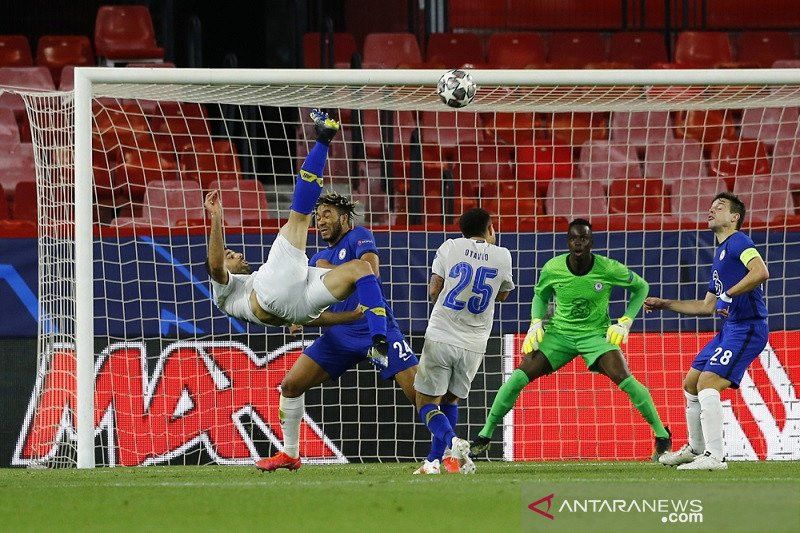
(137, 366)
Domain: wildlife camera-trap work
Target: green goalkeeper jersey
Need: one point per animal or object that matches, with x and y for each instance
(582, 301)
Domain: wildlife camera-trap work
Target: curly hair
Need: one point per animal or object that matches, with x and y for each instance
(344, 204)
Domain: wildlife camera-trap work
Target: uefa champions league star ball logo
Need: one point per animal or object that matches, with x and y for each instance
(342, 253)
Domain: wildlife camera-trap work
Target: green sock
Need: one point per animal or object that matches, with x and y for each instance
(504, 401)
(641, 399)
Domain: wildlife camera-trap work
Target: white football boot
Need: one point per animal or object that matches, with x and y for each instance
(705, 462)
(459, 449)
(682, 456)
(428, 467)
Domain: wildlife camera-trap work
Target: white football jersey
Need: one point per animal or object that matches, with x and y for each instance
(233, 299)
(474, 272)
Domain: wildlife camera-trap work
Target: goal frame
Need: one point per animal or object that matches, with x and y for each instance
(87, 77)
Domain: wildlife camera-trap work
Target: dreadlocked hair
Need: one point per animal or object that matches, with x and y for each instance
(344, 204)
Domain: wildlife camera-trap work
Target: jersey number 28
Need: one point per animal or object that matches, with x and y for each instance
(483, 291)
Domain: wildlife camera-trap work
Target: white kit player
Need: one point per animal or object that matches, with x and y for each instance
(469, 274)
(285, 290)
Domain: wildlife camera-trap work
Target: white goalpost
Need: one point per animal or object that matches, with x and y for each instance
(136, 366)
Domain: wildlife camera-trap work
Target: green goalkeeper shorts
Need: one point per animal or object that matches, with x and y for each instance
(560, 348)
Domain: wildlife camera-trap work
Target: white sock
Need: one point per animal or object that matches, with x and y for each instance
(711, 419)
(291, 414)
(695, 429)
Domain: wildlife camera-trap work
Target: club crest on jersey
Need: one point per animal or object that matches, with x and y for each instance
(598, 286)
(342, 253)
(722, 255)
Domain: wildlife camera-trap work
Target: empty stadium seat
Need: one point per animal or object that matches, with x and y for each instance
(576, 198)
(641, 49)
(176, 125)
(607, 162)
(140, 167)
(763, 48)
(245, 201)
(9, 132)
(516, 50)
(16, 165)
(4, 212)
(118, 125)
(25, 204)
(66, 80)
(344, 46)
(703, 49)
(786, 160)
(640, 128)
(637, 196)
(215, 161)
(173, 203)
(674, 161)
(125, 33)
(706, 126)
(387, 50)
(36, 78)
(487, 167)
(15, 51)
(515, 129)
(454, 49)
(56, 51)
(767, 198)
(542, 163)
(574, 129)
(691, 197)
(576, 49)
(771, 124)
(736, 159)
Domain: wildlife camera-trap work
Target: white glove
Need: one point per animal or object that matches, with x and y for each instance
(534, 337)
(618, 333)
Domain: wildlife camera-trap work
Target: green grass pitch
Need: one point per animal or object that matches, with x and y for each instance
(360, 498)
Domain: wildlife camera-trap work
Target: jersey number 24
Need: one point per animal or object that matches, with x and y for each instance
(483, 292)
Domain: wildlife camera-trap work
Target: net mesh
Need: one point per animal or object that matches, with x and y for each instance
(178, 382)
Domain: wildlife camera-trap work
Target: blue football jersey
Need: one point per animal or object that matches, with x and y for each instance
(729, 268)
(354, 244)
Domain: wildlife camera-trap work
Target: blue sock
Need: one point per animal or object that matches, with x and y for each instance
(438, 447)
(369, 295)
(437, 423)
(308, 186)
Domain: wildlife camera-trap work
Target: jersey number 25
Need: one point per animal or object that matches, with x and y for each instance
(483, 292)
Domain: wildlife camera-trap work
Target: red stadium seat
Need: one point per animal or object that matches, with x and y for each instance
(771, 124)
(767, 198)
(674, 161)
(638, 196)
(125, 33)
(516, 50)
(640, 128)
(763, 48)
(15, 51)
(36, 78)
(16, 165)
(344, 46)
(703, 49)
(487, 167)
(691, 197)
(177, 125)
(515, 129)
(736, 159)
(642, 49)
(245, 201)
(576, 49)
(387, 50)
(706, 126)
(786, 161)
(606, 162)
(786, 63)
(215, 161)
(454, 49)
(56, 51)
(543, 163)
(140, 167)
(118, 125)
(25, 203)
(576, 198)
(9, 131)
(173, 203)
(574, 129)
(4, 212)
(66, 78)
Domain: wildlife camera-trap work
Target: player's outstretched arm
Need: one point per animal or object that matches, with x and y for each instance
(216, 240)
(684, 307)
(638, 289)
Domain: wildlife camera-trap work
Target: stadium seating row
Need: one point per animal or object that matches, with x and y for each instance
(693, 49)
(122, 34)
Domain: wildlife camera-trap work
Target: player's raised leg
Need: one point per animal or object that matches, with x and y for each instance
(308, 186)
(304, 374)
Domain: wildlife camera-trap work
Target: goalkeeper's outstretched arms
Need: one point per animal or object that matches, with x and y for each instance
(216, 241)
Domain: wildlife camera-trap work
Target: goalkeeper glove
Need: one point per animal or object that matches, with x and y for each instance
(534, 337)
(618, 333)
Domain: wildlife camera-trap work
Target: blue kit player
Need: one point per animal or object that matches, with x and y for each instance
(735, 295)
(342, 346)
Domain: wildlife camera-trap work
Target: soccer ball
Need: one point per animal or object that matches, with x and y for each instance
(456, 88)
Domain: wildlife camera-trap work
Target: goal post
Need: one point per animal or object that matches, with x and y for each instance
(535, 147)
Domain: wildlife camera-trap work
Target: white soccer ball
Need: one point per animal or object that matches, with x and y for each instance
(456, 88)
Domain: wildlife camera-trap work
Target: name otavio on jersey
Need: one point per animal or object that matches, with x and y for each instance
(476, 255)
